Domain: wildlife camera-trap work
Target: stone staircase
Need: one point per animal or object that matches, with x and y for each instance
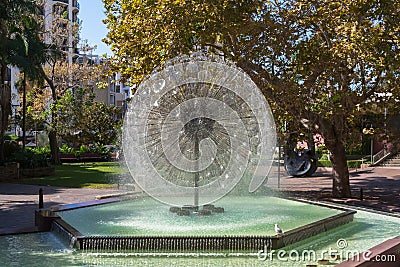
(391, 161)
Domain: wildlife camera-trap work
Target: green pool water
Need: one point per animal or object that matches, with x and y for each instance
(242, 216)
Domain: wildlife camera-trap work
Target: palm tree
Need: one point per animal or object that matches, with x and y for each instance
(21, 46)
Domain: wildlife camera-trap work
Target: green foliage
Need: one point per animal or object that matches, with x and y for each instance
(20, 36)
(101, 124)
(10, 147)
(21, 46)
(84, 149)
(324, 163)
(350, 163)
(324, 157)
(65, 149)
(354, 163)
(30, 159)
(41, 150)
(321, 150)
(81, 121)
(10, 137)
(314, 60)
(320, 62)
(101, 150)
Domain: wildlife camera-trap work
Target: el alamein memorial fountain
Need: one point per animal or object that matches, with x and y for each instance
(199, 140)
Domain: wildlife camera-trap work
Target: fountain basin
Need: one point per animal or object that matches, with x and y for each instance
(46, 249)
(143, 225)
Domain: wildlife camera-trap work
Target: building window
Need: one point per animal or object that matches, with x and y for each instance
(112, 99)
(120, 103)
(118, 88)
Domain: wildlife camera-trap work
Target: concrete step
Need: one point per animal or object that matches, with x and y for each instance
(393, 161)
(391, 164)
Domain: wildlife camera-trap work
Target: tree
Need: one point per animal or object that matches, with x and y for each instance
(83, 121)
(316, 61)
(100, 123)
(58, 35)
(73, 86)
(21, 46)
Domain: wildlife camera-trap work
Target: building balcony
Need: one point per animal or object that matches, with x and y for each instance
(75, 4)
(62, 1)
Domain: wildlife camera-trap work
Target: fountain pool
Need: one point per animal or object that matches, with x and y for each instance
(243, 216)
(46, 249)
(146, 225)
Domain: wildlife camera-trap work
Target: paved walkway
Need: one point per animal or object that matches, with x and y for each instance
(381, 191)
(380, 186)
(18, 203)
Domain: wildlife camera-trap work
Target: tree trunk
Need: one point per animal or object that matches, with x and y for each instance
(5, 109)
(54, 148)
(332, 130)
(24, 113)
(340, 172)
(52, 134)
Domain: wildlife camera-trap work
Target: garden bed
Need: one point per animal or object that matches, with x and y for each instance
(84, 157)
(37, 172)
(9, 171)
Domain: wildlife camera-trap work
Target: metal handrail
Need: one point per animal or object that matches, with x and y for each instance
(380, 155)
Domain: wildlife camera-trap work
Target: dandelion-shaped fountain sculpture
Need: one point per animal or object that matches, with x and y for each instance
(194, 129)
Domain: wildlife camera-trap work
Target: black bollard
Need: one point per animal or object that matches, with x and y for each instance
(361, 194)
(41, 198)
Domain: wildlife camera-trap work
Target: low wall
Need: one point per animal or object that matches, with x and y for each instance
(12, 171)
(37, 172)
(9, 171)
(84, 157)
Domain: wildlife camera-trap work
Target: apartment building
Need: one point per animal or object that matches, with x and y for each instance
(61, 24)
(61, 29)
(117, 93)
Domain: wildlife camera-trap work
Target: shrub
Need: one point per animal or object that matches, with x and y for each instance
(350, 163)
(324, 157)
(65, 149)
(321, 149)
(324, 163)
(101, 150)
(28, 159)
(10, 146)
(354, 163)
(41, 150)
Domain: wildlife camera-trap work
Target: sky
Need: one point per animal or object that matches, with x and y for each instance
(91, 13)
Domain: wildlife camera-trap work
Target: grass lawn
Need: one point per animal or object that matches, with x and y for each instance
(80, 175)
